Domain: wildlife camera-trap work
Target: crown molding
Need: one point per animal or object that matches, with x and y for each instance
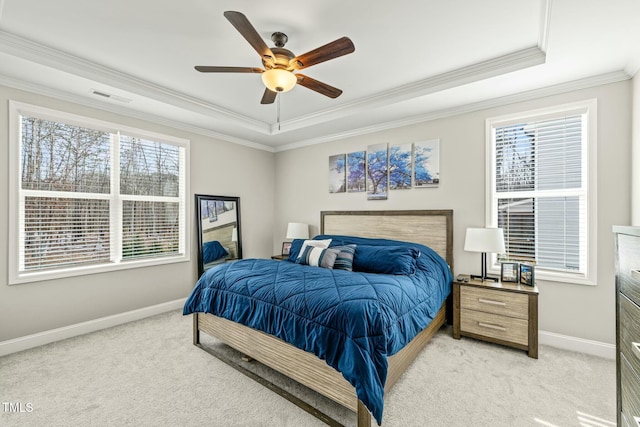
(125, 111)
(44, 55)
(514, 61)
(585, 83)
(545, 22)
(599, 80)
(62, 61)
(632, 68)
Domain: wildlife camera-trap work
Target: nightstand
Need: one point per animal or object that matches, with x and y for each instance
(502, 313)
(279, 257)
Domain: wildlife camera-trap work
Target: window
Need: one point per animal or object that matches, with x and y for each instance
(542, 189)
(91, 196)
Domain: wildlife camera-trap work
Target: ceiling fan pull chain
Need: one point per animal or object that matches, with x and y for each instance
(278, 110)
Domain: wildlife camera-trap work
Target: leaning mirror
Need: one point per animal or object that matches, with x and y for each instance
(218, 230)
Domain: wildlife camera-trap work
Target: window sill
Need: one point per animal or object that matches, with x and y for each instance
(545, 276)
(568, 279)
(38, 276)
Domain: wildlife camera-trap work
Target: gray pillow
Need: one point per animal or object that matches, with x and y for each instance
(318, 257)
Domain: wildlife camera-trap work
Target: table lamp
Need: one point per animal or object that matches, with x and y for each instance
(484, 240)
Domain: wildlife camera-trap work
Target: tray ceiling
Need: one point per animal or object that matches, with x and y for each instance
(413, 61)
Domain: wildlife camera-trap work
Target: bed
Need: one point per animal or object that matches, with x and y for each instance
(370, 362)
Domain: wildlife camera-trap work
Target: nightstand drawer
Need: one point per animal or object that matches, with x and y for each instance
(495, 326)
(629, 423)
(629, 266)
(490, 301)
(629, 390)
(629, 328)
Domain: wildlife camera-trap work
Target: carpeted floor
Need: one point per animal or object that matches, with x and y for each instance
(147, 373)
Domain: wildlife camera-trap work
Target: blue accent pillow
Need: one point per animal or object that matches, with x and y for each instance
(344, 261)
(294, 251)
(385, 259)
(212, 251)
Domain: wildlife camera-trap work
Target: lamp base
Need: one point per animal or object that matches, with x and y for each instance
(483, 271)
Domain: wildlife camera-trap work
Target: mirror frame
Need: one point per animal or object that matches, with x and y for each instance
(199, 198)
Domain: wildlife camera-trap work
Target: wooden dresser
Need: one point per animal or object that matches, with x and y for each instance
(628, 325)
(503, 313)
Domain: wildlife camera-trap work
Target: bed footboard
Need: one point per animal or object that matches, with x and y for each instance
(305, 367)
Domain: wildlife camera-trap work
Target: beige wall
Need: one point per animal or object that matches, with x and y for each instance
(635, 158)
(217, 168)
(582, 311)
(292, 186)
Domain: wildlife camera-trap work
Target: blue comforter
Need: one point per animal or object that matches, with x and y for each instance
(352, 320)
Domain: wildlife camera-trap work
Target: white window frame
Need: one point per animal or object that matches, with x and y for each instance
(18, 109)
(589, 109)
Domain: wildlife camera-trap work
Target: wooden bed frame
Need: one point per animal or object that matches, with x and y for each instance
(433, 228)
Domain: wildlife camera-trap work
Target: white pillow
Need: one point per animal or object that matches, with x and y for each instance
(324, 244)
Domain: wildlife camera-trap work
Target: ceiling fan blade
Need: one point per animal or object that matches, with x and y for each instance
(315, 85)
(268, 97)
(214, 69)
(244, 27)
(335, 49)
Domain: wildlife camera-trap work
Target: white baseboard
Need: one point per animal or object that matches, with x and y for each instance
(15, 345)
(565, 342)
(30, 341)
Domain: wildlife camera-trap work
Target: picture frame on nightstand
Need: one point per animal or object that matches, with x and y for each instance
(509, 272)
(527, 275)
(286, 248)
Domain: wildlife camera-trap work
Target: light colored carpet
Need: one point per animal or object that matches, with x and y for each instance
(147, 373)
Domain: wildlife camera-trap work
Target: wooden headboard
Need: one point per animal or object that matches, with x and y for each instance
(433, 228)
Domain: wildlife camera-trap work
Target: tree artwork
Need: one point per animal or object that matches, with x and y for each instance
(382, 168)
(377, 172)
(400, 167)
(426, 163)
(356, 172)
(337, 174)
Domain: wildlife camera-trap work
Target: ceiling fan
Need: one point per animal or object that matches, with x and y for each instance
(280, 63)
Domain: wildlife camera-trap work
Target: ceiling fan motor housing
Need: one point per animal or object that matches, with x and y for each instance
(282, 58)
(279, 39)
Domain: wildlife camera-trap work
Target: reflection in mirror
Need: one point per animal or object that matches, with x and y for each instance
(218, 230)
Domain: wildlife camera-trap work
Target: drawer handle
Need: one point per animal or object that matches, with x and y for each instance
(492, 326)
(635, 346)
(492, 302)
(635, 274)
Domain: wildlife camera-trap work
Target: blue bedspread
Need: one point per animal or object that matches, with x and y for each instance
(352, 320)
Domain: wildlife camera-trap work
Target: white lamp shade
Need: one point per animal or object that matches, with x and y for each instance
(297, 230)
(278, 80)
(490, 240)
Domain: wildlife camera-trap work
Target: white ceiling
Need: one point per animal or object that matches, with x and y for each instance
(413, 59)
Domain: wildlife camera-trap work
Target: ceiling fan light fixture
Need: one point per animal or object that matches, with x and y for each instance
(279, 80)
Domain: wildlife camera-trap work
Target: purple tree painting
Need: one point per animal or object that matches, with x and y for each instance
(337, 173)
(377, 172)
(426, 163)
(356, 172)
(400, 167)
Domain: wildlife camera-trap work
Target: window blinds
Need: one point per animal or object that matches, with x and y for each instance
(78, 198)
(540, 191)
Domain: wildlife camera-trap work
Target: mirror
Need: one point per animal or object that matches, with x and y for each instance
(218, 230)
